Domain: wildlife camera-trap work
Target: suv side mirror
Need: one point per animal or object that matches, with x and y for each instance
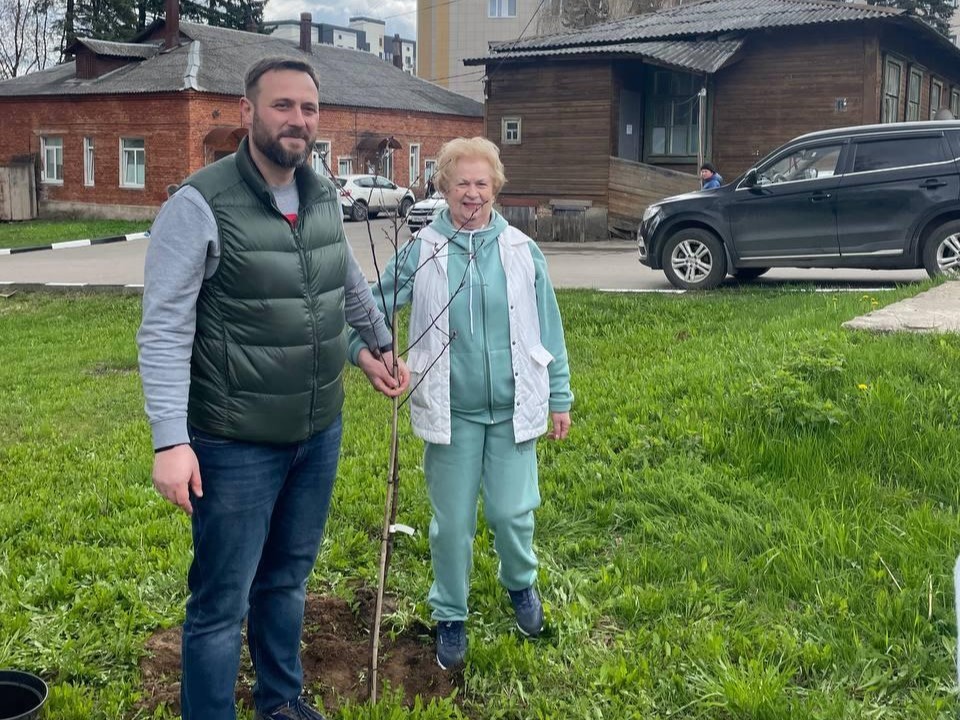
(750, 179)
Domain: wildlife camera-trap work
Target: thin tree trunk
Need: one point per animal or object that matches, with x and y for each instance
(386, 549)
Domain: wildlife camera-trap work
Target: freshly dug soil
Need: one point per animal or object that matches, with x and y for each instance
(335, 656)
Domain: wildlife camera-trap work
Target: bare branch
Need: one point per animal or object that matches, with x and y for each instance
(26, 36)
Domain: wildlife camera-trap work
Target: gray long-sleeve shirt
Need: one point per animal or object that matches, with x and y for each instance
(184, 250)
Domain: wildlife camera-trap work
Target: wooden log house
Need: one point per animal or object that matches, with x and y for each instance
(622, 114)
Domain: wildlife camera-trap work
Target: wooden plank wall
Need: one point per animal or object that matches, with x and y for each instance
(18, 192)
(634, 186)
(565, 109)
(786, 83)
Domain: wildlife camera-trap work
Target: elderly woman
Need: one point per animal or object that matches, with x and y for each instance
(488, 368)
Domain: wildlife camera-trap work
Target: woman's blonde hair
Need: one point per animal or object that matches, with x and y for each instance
(462, 148)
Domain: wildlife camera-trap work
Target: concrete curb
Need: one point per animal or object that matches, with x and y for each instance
(11, 288)
(76, 243)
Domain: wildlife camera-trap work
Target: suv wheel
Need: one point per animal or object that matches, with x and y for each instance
(693, 259)
(405, 206)
(359, 211)
(747, 274)
(941, 252)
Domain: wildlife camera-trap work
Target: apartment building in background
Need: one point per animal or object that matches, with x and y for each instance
(449, 32)
(362, 33)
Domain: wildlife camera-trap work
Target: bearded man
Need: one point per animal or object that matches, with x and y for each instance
(249, 285)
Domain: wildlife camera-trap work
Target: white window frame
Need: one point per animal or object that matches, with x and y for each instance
(501, 8)
(345, 165)
(51, 171)
(89, 166)
(429, 170)
(415, 176)
(316, 161)
(386, 164)
(511, 131)
(125, 155)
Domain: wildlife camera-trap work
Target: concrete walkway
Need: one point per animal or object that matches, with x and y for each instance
(936, 310)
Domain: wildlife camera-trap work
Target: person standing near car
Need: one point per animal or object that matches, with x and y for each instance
(709, 177)
(249, 284)
(489, 369)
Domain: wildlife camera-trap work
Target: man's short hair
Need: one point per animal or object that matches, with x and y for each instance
(271, 64)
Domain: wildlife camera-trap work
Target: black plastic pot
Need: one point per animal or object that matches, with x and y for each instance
(22, 695)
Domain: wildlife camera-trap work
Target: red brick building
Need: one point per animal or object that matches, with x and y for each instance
(111, 130)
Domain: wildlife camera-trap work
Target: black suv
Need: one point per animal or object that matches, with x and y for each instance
(876, 196)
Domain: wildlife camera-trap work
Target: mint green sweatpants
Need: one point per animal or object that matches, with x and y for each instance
(479, 457)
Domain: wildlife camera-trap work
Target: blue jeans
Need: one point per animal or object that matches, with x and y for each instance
(256, 533)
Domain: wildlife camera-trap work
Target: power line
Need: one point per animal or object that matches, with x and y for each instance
(452, 77)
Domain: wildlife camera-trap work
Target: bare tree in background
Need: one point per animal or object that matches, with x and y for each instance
(27, 36)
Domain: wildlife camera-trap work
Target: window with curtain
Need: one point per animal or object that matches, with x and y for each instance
(502, 8)
(913, 95)
(386, 164)
(88, 165)
(320, 157)
(936, 97)
(414, 164)
(51, 153)
(133, 162)
(891, 91)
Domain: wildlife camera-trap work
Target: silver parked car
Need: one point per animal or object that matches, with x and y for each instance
(423, 212)
(368, 195)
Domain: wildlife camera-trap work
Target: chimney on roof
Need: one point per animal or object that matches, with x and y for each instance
(171, 25)
(397, 51)
(306, 31)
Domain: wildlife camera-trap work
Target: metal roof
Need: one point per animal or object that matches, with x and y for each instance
(709, 17)
(215, 60)
(703, 56)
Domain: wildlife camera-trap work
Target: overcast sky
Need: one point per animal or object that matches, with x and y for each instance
(400, 15)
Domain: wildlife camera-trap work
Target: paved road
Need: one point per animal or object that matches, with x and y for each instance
(606, 266)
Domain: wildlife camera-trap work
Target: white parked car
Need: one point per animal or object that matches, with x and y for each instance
(423, 212)
(368, 195)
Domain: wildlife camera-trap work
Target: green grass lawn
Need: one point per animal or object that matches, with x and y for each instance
(755, 516)
(42, 232)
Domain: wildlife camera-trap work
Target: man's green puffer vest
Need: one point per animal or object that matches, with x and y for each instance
(270, 346)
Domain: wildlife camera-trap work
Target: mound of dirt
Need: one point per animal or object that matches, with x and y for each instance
(335, 656)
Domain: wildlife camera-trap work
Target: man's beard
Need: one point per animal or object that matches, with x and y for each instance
(274, 150)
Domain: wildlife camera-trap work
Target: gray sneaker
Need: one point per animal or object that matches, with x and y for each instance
(296, 710)
(451, 644)
(528, 609)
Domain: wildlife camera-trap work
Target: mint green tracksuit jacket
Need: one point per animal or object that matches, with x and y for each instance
(482, 455)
